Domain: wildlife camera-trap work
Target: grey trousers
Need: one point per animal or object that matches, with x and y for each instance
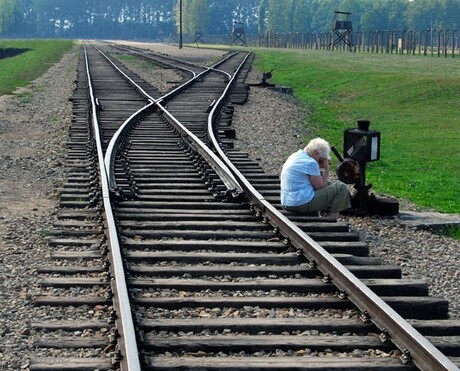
(334, 196)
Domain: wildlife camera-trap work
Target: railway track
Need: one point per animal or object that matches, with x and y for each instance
(164, 259)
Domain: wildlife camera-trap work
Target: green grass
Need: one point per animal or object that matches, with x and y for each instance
(24, 98)
(20, 70)
(412, 100)
(451, 231)
(136, 62)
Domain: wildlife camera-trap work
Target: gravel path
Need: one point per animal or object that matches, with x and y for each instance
(32, 171)
(33, 134)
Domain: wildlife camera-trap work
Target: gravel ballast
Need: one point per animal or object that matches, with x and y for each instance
(33, 134)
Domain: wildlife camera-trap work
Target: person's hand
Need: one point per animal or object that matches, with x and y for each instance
(324, 163)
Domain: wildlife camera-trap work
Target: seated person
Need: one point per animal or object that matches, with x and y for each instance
(304, 189)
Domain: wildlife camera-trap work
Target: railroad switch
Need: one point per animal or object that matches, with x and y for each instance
(361, 146)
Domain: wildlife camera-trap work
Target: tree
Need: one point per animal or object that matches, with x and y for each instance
(199, 15)
(160, 18)
(194, 15)
(302, 16)
(278, 20)
(323, 14)
(11, 16)
(262, 15)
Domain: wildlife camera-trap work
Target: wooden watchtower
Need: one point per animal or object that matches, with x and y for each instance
(341, 29)
(238, 34)
(198, 36)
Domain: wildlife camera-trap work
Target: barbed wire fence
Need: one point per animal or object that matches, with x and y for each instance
(429, 42)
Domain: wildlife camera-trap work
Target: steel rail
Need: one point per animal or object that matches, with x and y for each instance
(135, 51)
(195, 78)
(119, 134)
(219, 167)
(214, 161)
(114, 143)
(127, 338)
(421, 352)
(171, 62)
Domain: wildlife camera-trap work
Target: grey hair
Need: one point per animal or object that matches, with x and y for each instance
(319, 145)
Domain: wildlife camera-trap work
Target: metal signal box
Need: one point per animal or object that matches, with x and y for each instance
(361, 144)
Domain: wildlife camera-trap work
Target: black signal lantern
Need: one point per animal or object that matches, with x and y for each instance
(361, 146)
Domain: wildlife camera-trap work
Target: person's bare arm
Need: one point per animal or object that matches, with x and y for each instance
(320, 181)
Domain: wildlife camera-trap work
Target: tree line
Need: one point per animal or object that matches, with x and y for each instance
(159, 19)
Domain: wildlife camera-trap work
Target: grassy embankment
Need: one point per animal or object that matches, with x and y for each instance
(20, 70)
(413, 101)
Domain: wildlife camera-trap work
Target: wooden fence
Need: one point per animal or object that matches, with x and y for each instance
(439, 43)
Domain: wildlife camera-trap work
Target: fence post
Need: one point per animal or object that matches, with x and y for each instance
(446, 41)
(404, 41)
(377, 41)
(372, 41)
(409, 41)
(392, 41)
(412, 42)
(385, 41)
(382, 40)
(425, 47)
(453, 43)
(439, 43)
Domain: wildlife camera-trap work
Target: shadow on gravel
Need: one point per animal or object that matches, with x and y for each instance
(12, 52)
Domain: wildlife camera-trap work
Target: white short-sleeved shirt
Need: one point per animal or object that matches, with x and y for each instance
(296, 187)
